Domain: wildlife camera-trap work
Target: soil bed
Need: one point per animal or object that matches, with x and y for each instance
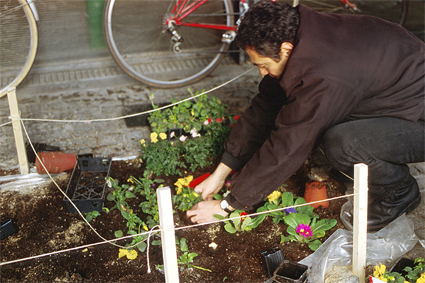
(45, 226)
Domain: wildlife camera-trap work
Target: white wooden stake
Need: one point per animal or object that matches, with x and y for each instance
(295, 3)
(17, 131)
(168, 237)
(360, 221)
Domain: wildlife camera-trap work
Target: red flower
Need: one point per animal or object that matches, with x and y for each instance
(237, 117)
(219, 120)
(243, 214)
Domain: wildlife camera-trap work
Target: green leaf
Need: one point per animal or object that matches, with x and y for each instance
(142, 247)
(183, 245)
(287, 199)
(129, 195)
(118, 234)
(229, 228)
(245, 223)
(323, 225)
(286, 239)
(314, 245)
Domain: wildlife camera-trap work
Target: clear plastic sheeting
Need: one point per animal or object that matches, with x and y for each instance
(384, 246)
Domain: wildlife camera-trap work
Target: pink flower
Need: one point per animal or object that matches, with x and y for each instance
(182, 138)
(243, 214)
(227, 184)
(304, 230)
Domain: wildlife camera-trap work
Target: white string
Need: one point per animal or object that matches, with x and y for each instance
(136, 114)
(175, 229)
(147, 251)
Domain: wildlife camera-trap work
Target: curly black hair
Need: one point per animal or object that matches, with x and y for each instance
(266, 25)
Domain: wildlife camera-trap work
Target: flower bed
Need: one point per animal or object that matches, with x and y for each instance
(223, 252)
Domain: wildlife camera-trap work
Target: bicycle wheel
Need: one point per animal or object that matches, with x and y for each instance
(18, 42)
(136, 35)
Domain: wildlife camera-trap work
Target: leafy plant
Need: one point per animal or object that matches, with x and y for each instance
(303, 229)
(187, 115)
(119, 194)
(197, 152)
(186, 198)
(278, 200)
(92, 215)
(417, 272)
(241, 222)
(187, 258)
(161, 156)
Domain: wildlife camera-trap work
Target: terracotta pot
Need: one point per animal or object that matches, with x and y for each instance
(315, 191)
(55, 162)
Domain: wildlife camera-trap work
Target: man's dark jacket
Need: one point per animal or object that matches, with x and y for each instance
(342, 67)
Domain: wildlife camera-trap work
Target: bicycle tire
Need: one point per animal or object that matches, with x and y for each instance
(139, 45)
(18, 42)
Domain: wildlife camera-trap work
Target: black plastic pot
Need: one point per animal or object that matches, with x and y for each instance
(87, 185)
(271, 260)
(290, 272)
(401, 264)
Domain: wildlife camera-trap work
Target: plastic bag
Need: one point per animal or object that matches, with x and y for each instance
(386, 245)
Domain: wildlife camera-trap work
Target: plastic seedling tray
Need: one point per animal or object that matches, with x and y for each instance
(8, 227)
(87, 186)
(271, 260)
(290, 272)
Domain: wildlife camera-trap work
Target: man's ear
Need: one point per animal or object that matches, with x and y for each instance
(286, 48)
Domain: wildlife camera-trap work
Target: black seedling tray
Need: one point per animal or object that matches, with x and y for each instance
(8, 227)
(87, 186)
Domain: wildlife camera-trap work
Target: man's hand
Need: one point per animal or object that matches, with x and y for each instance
(204, 211)
(214, 182)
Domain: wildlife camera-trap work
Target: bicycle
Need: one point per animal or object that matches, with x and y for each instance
(173, 43)
(189, 38)
(18, 43)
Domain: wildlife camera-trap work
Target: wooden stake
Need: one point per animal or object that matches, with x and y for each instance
(17, 131)
(360, 221)
(168, 237)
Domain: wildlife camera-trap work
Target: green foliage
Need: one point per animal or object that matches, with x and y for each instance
(91, 215)
(314, 229)
(134, 224)
(186, 199)
(197, 152)
(187, 115)
(186, 258)
(286, 199)
(413, 274)
(161, 156)
(240, 223)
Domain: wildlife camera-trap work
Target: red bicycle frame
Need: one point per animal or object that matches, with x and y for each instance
(183, 12)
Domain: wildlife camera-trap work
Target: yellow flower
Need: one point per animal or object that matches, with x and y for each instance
(129, 254)
(154, 137)
(192, 112)
(421, 279)
(195, 194)
(142, 142)
(145, 227)
(379, 272)
(273, 196)
(130, 180)
(183, 182)
(163, 136)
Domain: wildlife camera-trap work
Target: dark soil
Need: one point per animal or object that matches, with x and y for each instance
(46, 226)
